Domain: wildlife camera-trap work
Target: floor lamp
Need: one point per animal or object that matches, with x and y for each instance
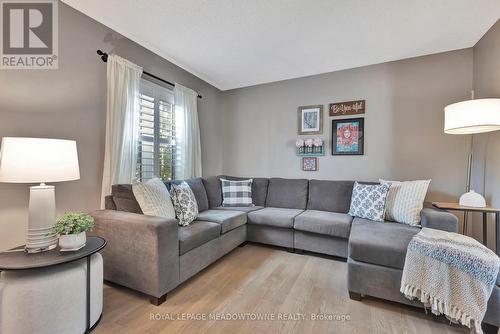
(472, 117)
(39, 160)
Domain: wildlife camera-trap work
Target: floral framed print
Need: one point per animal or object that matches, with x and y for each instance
(310, 120)
(310, 164)
(348, 136)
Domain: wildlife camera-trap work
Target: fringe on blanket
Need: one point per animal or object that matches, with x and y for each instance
(439, 307)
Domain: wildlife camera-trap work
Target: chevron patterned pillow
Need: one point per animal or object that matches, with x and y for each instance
(405, 200)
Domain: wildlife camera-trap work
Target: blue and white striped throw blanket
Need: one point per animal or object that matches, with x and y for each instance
(450, 273)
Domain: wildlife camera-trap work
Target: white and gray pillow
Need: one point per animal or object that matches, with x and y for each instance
(405, 200)
(185, 206)
(153, 198)
(236, 193)
(368, 201)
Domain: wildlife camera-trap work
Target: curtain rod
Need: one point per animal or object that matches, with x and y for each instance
(104, 58)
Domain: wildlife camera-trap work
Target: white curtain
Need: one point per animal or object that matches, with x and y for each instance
(188, 147)
(122, 122)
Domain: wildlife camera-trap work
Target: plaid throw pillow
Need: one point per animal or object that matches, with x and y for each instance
(236, 193)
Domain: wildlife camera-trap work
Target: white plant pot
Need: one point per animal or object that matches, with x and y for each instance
(72, 241)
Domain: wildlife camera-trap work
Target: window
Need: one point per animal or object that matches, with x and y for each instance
(156, 149)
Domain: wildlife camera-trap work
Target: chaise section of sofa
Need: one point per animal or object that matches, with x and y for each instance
(377, 252)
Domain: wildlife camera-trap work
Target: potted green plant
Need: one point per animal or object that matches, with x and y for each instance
(71, 228)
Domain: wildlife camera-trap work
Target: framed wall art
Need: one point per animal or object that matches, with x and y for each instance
(310, 164)
(310, 119)
(348, 136)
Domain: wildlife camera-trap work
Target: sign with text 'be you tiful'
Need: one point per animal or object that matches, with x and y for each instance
(348, 108)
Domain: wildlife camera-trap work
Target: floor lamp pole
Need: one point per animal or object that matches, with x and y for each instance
(468, 181)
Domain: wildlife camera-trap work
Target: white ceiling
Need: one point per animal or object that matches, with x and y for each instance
(238, 43)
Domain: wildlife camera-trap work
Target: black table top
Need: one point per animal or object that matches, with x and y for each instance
(22, 260)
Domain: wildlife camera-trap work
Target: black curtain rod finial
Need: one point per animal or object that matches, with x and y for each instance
(104, 57)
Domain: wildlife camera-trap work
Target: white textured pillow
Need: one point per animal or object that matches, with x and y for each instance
(405, 200)
(153, 198)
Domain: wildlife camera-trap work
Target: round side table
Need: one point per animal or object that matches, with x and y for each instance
(19, 261)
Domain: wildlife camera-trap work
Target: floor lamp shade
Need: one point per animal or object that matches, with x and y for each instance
(472, 116)
(39, 160)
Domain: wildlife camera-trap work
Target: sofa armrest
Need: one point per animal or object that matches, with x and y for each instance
(439, 220)
(142, 251)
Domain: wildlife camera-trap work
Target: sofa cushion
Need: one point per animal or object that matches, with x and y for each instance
(109, 204)
(127, 205)
(322, 222)
(198, 189)
(287, 193)
(259, 188)
(239, 208)
(196, 234)
(122, 191)
(277, 217)
(213, 190)
(228, 220)
(124, 198)
(334, 196)
(381, 243)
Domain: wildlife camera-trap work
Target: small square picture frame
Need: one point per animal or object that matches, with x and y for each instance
(310, 164)
(310, 120)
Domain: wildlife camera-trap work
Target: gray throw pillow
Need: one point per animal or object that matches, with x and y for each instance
(368, 201)
(185, 206)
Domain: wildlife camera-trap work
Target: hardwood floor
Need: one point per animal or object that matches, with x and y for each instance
(263, 280)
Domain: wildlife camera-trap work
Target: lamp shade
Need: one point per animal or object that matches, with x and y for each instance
(36, 160)
(472, 116)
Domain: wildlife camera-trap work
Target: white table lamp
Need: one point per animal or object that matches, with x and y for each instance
(39, 160)
(470, 117)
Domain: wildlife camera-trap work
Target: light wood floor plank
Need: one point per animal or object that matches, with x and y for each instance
(264, 280)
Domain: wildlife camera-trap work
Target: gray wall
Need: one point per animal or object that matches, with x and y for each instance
(487, 146)
(257, 125)
(404, 136)
(71, 103)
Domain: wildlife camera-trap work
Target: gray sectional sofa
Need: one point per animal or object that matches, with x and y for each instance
(153, 255)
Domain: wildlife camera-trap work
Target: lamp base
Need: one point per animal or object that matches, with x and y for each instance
(472, 199)
(39, 250)
(42, 215)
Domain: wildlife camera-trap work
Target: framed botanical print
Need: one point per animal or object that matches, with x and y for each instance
(310, 120)
(310, 164)
(348, 136)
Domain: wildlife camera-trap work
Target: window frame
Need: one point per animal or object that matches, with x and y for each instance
(159, 94)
